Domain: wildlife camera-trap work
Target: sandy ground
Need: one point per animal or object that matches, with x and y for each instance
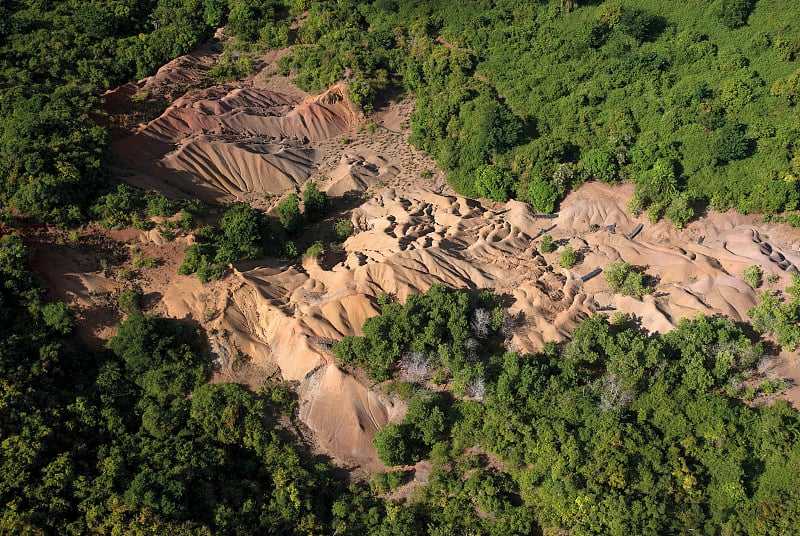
(263, 138)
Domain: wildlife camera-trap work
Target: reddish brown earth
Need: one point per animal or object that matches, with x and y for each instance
(262, 138)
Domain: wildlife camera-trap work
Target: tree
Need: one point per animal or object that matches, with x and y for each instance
(243, 234)
(226, 411)
(390, 442)
(546, 245)
(492, 183)
(59, 317)
(730, 142)
(315, 202)
(734, 13)
(602, 165)
(289, 214)
(568, 257)
(542, 195)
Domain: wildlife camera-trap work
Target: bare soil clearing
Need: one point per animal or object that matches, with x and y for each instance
(261, 138)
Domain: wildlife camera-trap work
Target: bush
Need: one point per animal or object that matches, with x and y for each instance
(342, 229)
(568, 257)
(315, 202)
(210, 272)
(546, 245)
(624, 280)
(492, 183)
(289, 214)
(314, 251)
(130, 301)
(542, 195)
(145, 262)
(616, 274)
(602, 165)
(680, 210)
(753, 275)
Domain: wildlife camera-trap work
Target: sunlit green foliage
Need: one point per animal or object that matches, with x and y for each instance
(435, 324)
(568, 257)
(620, 432)
(342, 229)
(243, 233)
(58, 56)
(289, 214)
(778, 316)
(753, 275)
(546, 245)
(622, 278)
(607, 90)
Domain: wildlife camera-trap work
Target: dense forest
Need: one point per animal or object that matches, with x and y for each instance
(618, 431)
(694, 103)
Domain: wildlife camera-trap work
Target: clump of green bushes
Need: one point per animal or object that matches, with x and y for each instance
(623, 279)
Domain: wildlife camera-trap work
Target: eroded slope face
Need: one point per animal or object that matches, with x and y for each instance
(410, 239)
(241, 141)
(235, 143)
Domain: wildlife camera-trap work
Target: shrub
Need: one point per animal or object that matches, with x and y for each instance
(130, 301)
(145, 262)
(568, 257)
(192, 257)
(314, 251)
(616, 274)
(210, 272)
(492, 183)
(546, 245)
(289, 214)
(542, 195)
(680, 210)
(602, 165)
(342, 229)
(158, 205)
(290, 249)
(315, 202)
(624, 280)
(753, 275)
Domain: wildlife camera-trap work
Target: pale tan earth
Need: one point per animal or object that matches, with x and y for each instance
(262, 138)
